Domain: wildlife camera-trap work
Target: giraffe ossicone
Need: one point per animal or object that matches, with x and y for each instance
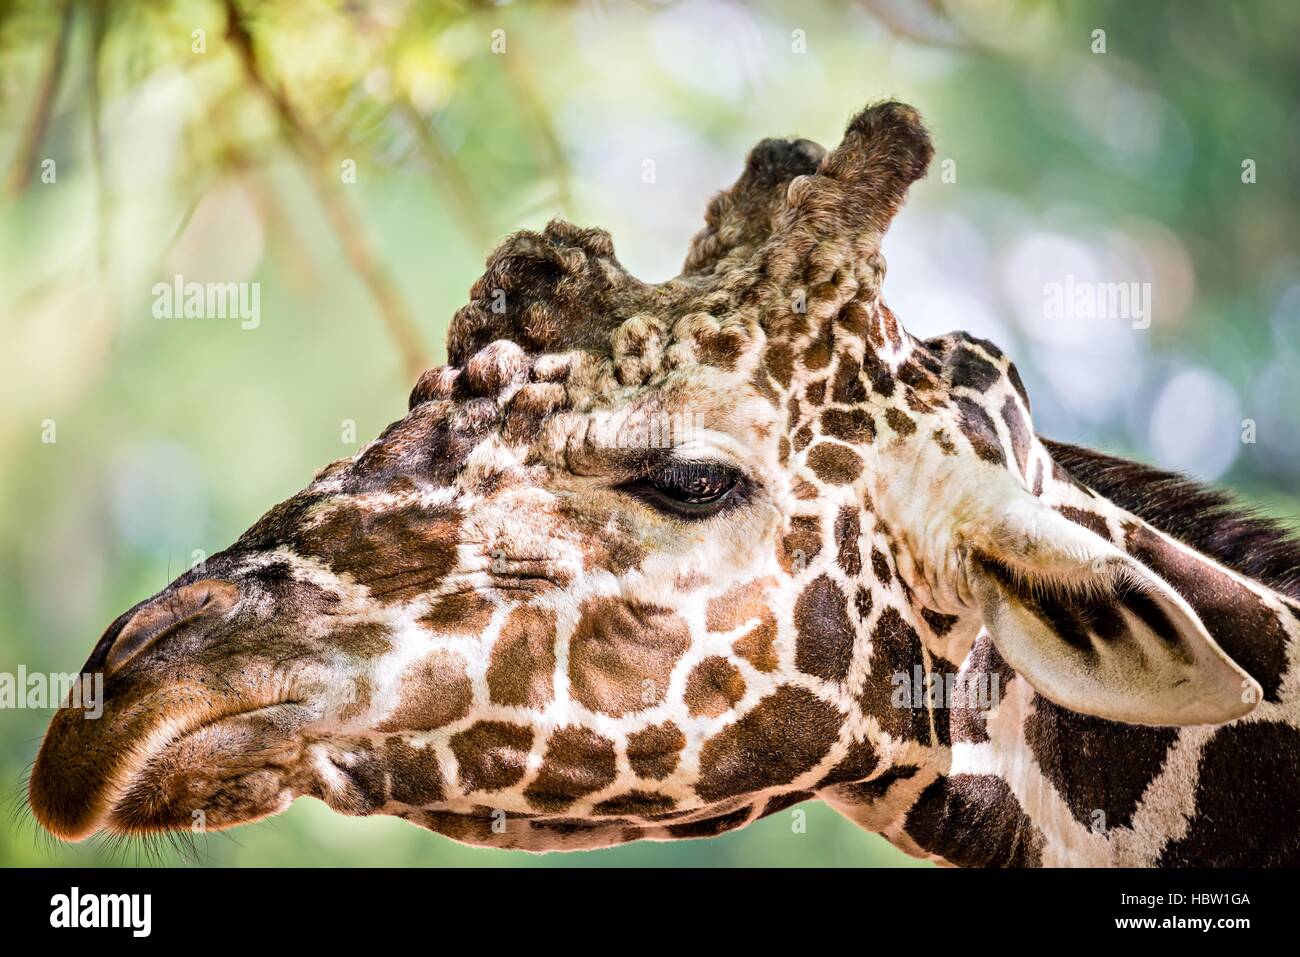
(654, 560)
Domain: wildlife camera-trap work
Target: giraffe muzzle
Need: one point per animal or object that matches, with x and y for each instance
(171, 733)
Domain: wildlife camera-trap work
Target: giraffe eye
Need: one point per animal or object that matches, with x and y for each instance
(695, 489)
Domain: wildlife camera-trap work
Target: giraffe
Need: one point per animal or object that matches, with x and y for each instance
(656, 560)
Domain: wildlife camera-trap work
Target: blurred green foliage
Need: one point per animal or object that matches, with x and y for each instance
(218, 154)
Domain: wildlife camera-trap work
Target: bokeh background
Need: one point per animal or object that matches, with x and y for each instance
(219, 155)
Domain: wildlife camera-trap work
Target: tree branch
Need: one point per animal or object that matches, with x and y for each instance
(546, 141)
(38, 122)
(468, 209)
(348, 228)
(907, 26)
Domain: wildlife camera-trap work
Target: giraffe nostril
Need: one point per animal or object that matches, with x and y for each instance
(162, 616)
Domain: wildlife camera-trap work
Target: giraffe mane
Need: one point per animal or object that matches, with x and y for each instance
(1209, 520)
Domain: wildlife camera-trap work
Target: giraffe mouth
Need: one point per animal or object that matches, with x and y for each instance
(207, 771)
(227, 770)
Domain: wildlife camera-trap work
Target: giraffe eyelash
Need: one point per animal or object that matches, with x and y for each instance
(691, 490)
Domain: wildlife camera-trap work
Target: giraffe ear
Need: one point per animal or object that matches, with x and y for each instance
(1094, 629)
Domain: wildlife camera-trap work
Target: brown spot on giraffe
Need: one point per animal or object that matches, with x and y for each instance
(977, 425)
(846, 386)
(805, 491)
(899, 421)
(880, 566)
(882, 381)
(635, 803)
(848, 531)
(1275, 765)
(713, 688)
(1089, 520)
(858, 763)
(578, 762)
(435, 692)
(654, 751)
(789, 714)
(466, 828)
(939, 623)
(970, 370)
(398, 554)
(780, 363)
(818, 353)
(1018, 431)
(956, 818)
(854, 426)
(758, 645)
(522, 669)
(801, 544)
(738, 605)
(462, 613)
(713, 826)
(835, 464)
(1073, 751)
(895, 651)
(721, 349)
(785, 801)
(622, 654)
(413, 774)
(366, 639)
(492, 754)
(878, 788)
(825, 636)
(863, 603)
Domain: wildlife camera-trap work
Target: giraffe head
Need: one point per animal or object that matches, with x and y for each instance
(643, 560)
